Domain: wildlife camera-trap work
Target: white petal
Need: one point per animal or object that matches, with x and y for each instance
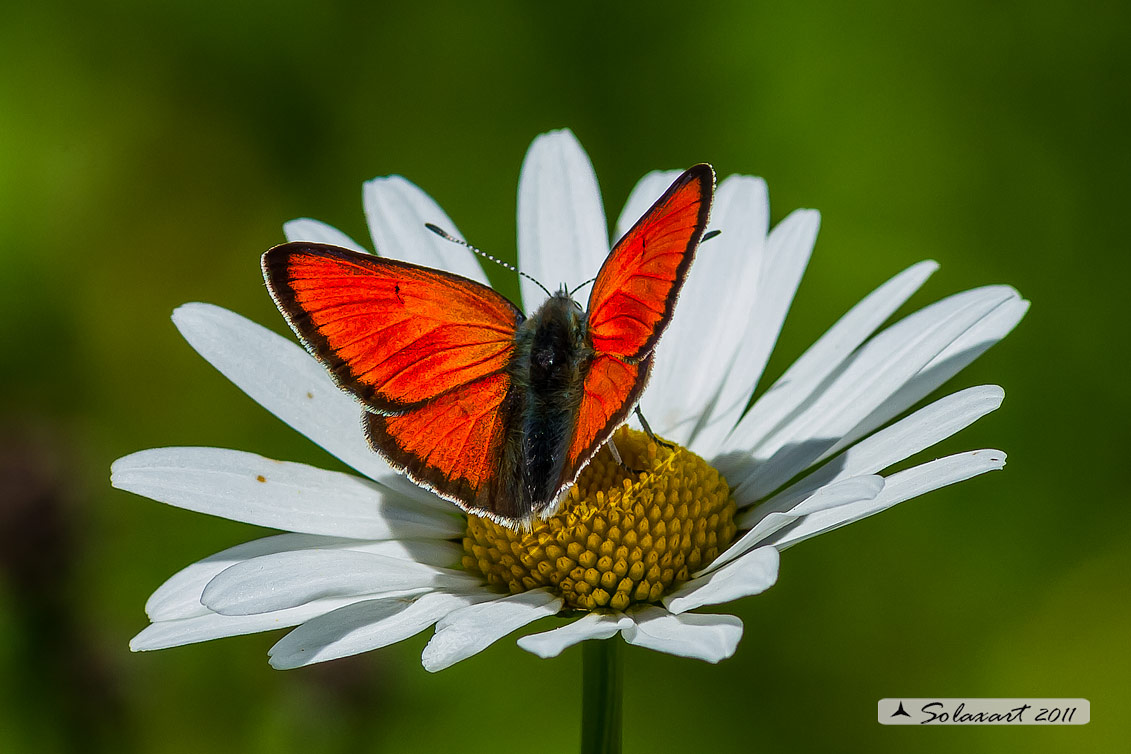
(472, 629)
(787, 254)
(178, 632)
(899, 487)
(364, 626)
(843, 492)
(277, 494)
(880, 368)
(397, 210)
(179, 596)
(717, 302)
(305, 229)
(905, 438)
(592, 626)
(954, 358)
(280, 376)
(826, 355)
(562, 235)
(643, 195)
(753, 573)
(703, 637)
(288, 579)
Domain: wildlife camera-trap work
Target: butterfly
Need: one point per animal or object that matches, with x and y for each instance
(493, 410)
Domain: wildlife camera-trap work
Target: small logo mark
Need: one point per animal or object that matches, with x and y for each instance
(983, 711)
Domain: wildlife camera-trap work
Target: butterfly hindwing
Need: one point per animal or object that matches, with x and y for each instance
(392, 333)
(457, 445)
(611, 389)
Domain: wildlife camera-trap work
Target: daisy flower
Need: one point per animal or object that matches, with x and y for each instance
(369, 559)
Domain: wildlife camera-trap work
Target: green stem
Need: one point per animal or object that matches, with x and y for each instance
(601, 681)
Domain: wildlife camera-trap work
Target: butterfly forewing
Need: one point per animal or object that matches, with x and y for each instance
(393, 334)
(634, 294)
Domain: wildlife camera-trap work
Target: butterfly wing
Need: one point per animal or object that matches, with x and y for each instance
(611, 388)
(634, 293)
(631, 304)
(457, 446)
(425, 351)
(394, 334)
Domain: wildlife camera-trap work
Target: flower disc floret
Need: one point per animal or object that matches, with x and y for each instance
(617, 538)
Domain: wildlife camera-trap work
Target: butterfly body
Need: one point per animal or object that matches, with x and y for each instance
(493, 410)
(552, 358)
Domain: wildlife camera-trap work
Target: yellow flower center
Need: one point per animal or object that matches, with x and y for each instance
(617, 538)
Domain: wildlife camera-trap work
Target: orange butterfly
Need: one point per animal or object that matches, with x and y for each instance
(491, 410)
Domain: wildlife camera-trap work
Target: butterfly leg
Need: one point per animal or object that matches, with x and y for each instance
(648, 431)
(616, 457)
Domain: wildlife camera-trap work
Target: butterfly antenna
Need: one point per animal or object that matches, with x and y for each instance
(709, 235)
(578, 288)
(449, 237)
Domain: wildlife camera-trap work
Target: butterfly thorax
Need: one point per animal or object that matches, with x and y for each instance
(552, 354)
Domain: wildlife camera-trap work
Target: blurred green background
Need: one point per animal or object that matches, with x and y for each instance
(149, 152)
